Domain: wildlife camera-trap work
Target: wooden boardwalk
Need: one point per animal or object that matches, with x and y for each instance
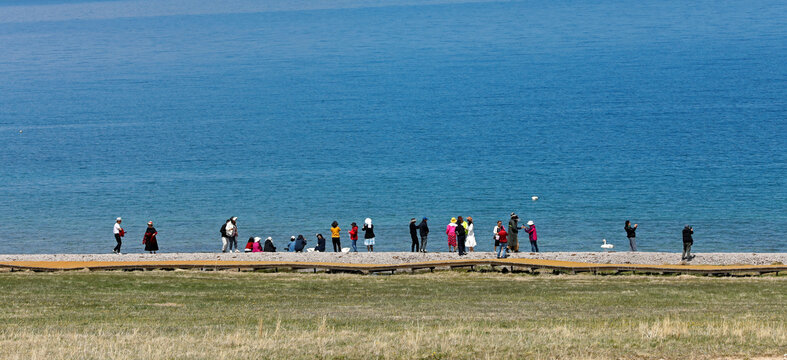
(500, 264)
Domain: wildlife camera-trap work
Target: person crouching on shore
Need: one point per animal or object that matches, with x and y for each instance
(255, 245)
(291, 245)
(320, 243)
(249, 244)
(269, 247)
(368, 237)
(149, 239)
(300, 244)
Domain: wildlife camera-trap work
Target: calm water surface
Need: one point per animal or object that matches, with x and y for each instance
(290, 115)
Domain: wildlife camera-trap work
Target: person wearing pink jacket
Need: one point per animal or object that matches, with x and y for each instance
(530, 229)
(450, 230)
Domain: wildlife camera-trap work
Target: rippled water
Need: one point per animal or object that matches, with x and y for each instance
(292, 114)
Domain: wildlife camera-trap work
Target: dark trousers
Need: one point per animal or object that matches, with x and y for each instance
(686, 251)
(117, 247)
(460, 240)
(337, 244)
(423, 243)
(414, 247)
(533, 246)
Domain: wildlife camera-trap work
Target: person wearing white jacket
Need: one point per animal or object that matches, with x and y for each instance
(470, 241)
(231, 234)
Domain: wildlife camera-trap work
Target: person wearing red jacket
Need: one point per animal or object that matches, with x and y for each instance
(354, 236)
(530, 229)
(503, 235)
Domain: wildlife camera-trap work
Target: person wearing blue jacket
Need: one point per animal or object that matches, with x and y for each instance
(300, 244)
(291, 245)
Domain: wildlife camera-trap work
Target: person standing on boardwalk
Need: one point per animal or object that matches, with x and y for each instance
(414, 246)
(531, 232)
(450, 230)
(354, 236)
(149, 239)
(461, 236)
(502, 251)
(513, 233)
(423, 230)
(119, 233)
(470, 243)
(631, 234)
(688, 241)
(495, 235)
(336, 233)
(368, 236)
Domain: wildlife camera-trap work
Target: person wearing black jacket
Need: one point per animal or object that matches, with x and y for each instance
(423, 229)
(631, 234)
(688, 240)
(368, 236)
(320, 243)
(269, 245)
(461, 236)
(414, 236)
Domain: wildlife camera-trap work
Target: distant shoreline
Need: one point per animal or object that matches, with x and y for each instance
(649, 258)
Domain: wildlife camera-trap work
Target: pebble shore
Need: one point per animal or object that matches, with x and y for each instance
(649, 258)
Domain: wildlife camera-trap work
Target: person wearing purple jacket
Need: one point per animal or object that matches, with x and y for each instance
(530, 229)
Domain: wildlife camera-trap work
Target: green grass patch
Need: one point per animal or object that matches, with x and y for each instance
(442, 315)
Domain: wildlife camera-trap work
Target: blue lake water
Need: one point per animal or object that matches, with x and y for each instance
(292, 114)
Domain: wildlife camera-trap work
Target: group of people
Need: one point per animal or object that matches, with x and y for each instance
(148, 239)
(298, 244)
(460, 234)
(508, 241)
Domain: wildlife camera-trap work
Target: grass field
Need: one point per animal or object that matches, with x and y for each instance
(229, 315)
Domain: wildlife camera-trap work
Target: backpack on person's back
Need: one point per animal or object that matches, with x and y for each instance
(223, 230)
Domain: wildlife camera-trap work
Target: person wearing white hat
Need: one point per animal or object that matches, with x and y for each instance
(530, 229)
(119, 233)
(149, 240)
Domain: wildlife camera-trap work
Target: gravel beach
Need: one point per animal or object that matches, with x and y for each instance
(650, 258)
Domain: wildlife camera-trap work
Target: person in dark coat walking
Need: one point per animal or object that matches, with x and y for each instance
(151, 244)
(631, 234)
(414, 236)
(423, 230)
(688, 241)
(461, 236)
